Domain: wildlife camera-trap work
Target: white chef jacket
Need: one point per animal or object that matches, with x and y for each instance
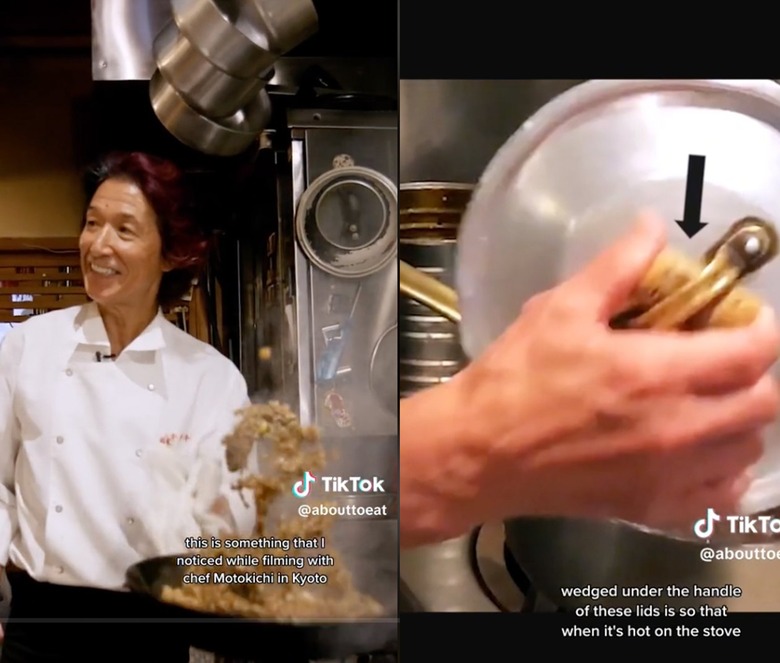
(75, 437)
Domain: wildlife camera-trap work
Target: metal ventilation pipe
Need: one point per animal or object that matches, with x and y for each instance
(214, 59)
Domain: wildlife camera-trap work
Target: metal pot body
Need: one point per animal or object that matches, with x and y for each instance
(206, 88)
(429, 347)
(224, 137)
(561, 554)
(220, 31)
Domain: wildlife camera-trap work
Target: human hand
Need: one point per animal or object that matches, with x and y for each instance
(569, 417)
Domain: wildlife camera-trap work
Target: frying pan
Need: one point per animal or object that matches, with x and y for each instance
(254, 639)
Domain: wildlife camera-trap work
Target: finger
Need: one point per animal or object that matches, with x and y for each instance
(705, 362)
(672, 424)
(717, 461)
(606, 283)
(722, 495)
(678, 511)
(699, 419)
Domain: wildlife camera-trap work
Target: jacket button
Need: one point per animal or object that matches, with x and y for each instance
(68, 372)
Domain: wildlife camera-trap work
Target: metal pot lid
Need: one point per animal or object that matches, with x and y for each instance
(346, 222)
(574, 176)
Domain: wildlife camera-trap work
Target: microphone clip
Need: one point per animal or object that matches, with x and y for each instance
(100, 357)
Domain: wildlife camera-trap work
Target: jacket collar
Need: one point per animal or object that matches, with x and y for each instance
(90, 330)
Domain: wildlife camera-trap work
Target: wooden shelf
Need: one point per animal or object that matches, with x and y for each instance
(43, 274)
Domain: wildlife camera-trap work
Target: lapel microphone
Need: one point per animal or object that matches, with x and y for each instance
(99, 357)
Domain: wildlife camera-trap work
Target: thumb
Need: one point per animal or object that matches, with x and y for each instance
(607, 282)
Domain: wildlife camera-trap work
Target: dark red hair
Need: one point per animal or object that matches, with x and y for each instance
(184, 244)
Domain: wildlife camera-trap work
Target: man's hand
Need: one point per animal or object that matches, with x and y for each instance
(565, 416)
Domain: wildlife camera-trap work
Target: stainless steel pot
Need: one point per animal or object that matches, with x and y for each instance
(206, 88)
(560, 554)
(217, 29)
(384, 362)
(224, 137)
(429, 349)
(285, 23)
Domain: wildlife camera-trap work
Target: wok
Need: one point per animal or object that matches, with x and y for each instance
(254, 639)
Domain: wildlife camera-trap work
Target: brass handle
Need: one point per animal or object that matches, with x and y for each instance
(746, 246)
(675, 293)
(428, 291)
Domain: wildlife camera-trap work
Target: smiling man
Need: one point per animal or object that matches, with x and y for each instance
(93, 399)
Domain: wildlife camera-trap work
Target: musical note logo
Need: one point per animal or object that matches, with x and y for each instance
(303, 487)
(706, 526)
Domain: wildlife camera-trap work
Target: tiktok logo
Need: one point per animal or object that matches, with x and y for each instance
(303, 487)
(704, 527)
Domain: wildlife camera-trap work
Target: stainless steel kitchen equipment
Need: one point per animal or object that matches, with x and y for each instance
(429, 348)
(384, 361)
(337, 197)
(123, 32)
(214, 59)
(451, 129)
(345, 202)
(676, 293)
(226, 34)
(284, 23)
(225, 136)
(345, 221)
(473, 573)
(561, 189)
(208, 89)
(482, 572)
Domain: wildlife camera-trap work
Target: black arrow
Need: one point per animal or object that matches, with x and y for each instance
(694, 188)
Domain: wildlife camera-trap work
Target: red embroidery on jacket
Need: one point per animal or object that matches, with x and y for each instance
(174, 438)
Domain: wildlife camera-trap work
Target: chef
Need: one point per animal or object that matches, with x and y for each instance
(107, 411)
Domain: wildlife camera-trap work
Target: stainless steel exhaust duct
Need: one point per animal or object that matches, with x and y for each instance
(208, 61)
(360, 62)
(123, 32)
(213, 59)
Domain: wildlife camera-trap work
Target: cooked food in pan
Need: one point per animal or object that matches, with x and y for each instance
(274, 579)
